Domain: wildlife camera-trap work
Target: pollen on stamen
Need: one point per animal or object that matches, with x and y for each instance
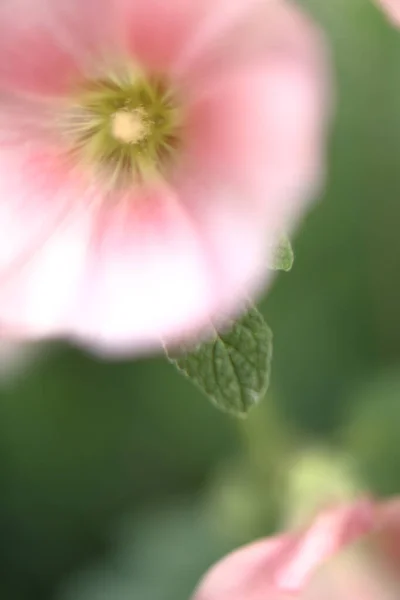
(129, 127)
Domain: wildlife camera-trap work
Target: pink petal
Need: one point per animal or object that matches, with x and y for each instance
(147, 275)
(161, 34)
(352, 576)
(271, 569)
(274, 29)
(388, 532)
(260, 129)
(46, 225)
(235, 238)
(392, 7)
(47, 45)
(39, 297)
(153, 275)
(141, 271)
(367, 572)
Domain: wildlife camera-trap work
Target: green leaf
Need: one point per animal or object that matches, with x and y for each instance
(233, 368)
(282, 256)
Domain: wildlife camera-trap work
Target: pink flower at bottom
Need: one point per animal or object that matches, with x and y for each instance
(348, 553)
(368, 571)
(282, 567)
(151, 151)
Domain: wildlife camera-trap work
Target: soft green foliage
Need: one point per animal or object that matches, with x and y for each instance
(233, 368)
(372, 429)
(178, 539)
(282, 257)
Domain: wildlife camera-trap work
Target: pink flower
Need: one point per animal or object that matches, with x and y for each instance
(392, 7)
(327, 561)
(282, 567)
(151, 151)
(367, 572)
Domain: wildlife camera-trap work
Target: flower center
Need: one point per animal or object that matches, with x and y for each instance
(125, 127)
(129, 127)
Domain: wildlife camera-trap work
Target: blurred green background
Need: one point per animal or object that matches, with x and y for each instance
(120, 481)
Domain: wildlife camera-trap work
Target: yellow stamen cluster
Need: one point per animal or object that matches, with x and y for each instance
(125, 128)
